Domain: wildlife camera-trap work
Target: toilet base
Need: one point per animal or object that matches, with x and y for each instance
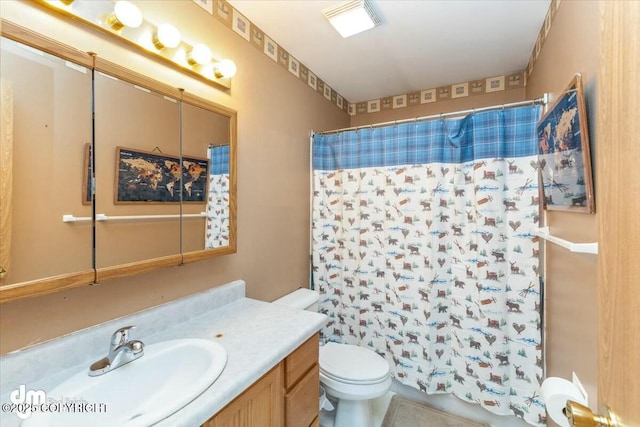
(379, 408)
(350, 413)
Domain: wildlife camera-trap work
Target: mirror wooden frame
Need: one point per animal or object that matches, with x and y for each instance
(58, 283)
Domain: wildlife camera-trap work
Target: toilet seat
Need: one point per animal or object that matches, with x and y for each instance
(351, 364)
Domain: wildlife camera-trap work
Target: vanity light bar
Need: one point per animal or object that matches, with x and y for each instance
(126, 22)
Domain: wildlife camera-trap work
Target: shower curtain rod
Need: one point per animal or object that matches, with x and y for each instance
(543, 100)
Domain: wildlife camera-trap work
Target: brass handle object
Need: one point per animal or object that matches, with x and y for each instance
(3, 273)
(581, 416)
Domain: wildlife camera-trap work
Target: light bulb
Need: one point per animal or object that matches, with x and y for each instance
(199, 54)
(125, 14)
(166, 36)
(225, 69)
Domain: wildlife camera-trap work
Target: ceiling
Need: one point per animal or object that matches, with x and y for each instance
(421, 44)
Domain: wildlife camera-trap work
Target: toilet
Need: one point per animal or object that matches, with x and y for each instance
(351, 374)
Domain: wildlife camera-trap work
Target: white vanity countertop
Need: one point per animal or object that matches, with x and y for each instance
(257, 335)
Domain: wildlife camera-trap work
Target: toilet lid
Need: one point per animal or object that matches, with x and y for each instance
(352, 364)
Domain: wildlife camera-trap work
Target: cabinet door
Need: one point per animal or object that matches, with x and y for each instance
(301, 403)
(259, 406)
(137, 143)
(46, 124)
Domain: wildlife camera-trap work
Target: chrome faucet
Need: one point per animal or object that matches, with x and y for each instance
(121, 352)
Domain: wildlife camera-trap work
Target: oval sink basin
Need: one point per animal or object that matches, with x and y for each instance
(167, 377)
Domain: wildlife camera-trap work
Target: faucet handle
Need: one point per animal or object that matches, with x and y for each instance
(120, 336)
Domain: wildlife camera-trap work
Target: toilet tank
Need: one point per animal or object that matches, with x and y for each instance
(302, 299)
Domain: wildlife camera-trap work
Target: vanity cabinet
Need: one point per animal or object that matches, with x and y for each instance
(258, 406)
(285, 396)
(302, 380)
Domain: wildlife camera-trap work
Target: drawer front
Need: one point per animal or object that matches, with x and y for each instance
(301, 360)
(301, 403)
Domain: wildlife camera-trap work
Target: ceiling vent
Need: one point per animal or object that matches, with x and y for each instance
(352, 17)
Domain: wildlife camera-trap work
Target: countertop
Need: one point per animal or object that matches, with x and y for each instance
(257, 336)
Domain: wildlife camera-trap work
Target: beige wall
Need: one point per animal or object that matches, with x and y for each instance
(276, 113)
(571, 300)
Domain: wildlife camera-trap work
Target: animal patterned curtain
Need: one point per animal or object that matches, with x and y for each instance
(423, 252)
(217, 224)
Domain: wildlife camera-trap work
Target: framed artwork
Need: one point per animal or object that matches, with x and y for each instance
(373, 106)
(399, 101)
(86, 175)
(495, 84)
(428, 96)
(270, 48)
(294, 66)
(241, 25)
(313, 81)
(460, 90)
(564, 158)
(150, 177)
(205, 4)
(327, 91)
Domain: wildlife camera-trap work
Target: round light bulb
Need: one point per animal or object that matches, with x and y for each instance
(200, 54)
(225, 69)
(125, 14)
(166, 36)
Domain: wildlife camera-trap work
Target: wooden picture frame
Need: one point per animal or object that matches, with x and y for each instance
(564, 158)
(151, 177)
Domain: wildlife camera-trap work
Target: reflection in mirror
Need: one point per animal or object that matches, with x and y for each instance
(217, 225)
(137, 147)
(46, 125)
(206, 132)
(138, 140)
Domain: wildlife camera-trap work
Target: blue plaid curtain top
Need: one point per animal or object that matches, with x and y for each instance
(490, 134)
(219, 160)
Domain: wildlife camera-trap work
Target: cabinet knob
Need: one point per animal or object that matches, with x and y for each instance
(3, 273)
(581, 416)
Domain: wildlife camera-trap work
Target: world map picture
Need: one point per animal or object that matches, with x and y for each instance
(143, 176)
(564, 159)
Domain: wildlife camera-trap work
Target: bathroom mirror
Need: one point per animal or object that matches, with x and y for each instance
(137, 149)
(46, 124)
(207, 132)
(46, 202)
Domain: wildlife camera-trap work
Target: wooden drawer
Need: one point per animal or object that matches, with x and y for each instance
(301, 361)
(301, 403)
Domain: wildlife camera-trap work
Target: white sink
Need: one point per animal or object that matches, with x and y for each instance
(167, 377)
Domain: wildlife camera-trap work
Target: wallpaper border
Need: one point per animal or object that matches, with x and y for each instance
(246, 29)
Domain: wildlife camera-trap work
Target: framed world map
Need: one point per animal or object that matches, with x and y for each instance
(564, 159)
(143, 176)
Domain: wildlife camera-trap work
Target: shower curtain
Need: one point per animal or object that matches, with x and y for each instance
(217, 223)
(422, 251)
